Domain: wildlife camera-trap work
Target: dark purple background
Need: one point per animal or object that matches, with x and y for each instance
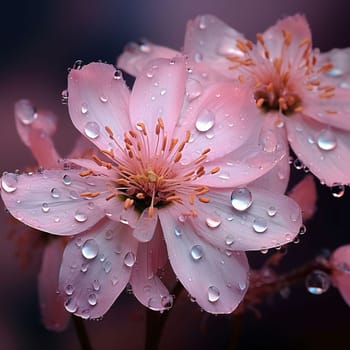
(39, 41)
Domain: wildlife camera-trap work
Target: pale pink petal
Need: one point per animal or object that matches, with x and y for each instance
(51, 201)
(158, 93)
(92, 165)
(340, 59)
(136, 56)
(210, 42)
(83, 148)
(272, 138)
(53, 313)
(242, 166)
(146, 285)
(324, 150)
(98, 98)
(220, 119)
(244, 218)
(216, 280)
(146, 225)
(297, 27)
(340, 259)
(96, 268)
(305, 194)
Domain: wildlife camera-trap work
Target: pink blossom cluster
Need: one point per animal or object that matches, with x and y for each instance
(189, 167)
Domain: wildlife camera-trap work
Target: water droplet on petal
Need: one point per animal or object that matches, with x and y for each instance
(178, 231)
(25, 112)
(107, 266)
(197, 252)
(108, 234)
(213, 294)
(67, 180)
(118, 75)
(193, 89)
(334, 72)
(9, 182)
(202, 24)
(90, 249)
(84, 108)
(80, 216)
(103, 99)
(71, 305)
(96, 285)
(259, 224)
(271, 211)
(64, 97)
(69, 289)
(162, 92)
(55, 193)
(74, 195)
(302, 229)
(241, 199)
(78, 64)
(84, 267)
(213, 222)
(298, 164)
(45, 207)
(92, 299)
(205, 120)
(229, 240)
(129, 259)
(326, 140)
(92, 130)
(337, 190)
(317, 282)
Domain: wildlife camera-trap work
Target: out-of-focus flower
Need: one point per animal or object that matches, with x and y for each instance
(340, 261)
(174, 185)
(300, 93)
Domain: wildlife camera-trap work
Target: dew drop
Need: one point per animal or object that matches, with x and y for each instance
(108, 234)
(271, 211)
(92, 130)
(25, 112)
(241, 199)
(317, 282)
(69, 289)
(229, 240)
(70, 305)
(67, 180)
(92, 299)
(84, 267)
(45, 207)
(107, 266)
(178, 231)
(78, 64)
(213, 294)
(80, 216)
(118, 75)
(9, 182)
(197, 252)
(55, 193)
(64, 97)
(90, 249)
(84, 108)
(334, 72)
(129, 259)
(205, 120)
(96, 285)
(259, 224)
(302, 229)
(337, 190)
(193, 89)
(326, 140)
(162, 92)
(298, 164)
(103, 99)
(202, 24)
(213, 222)
(74, 195)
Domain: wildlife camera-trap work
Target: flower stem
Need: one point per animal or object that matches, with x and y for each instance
(81, 333)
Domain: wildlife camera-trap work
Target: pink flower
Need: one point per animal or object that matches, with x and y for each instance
(300, 94)
(340, 260)
(171, 182)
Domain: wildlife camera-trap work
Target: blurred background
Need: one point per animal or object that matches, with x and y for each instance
(39, 41)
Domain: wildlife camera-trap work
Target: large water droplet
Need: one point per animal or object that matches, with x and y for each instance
(213, 294)
(213, 222)
(9, 182)
(92, 130)
(337, 190)
(205, 120)
(90, 249)
(259, 224)
(241, 198)
(197, 252)
(80, 216)
(326, 140)
(92, 299)
(25, 112)
(317, 282)
(129, 259)
(45, 207)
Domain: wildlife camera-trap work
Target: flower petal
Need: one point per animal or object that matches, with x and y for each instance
(96, 268)
(323, 149)
(305, 194)
(216, 280)
(53, 313)
(158, 93)
(146, 225)
(245, 218)
(146, 285)
(136, 56)
(98, 99)
(211, 41)
(51, 201)
(341, 260)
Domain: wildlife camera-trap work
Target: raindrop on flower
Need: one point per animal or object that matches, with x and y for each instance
(202, 23)
(71, 305)
(118, 75)
(25, 112)
(108, 234)
(302, 229)
(107, 266)
(213, 222)
(92, 130)
(197, 252)
(9, 182)
(317, 282)
(177, 231)
(337, 190)
(193, 89)
(298, 164)
(55, 193)
(64, 97)
(80, 216)
(259, 224)
(92, 299)
(241, 199)
(205, 120)
(45, 207)
(84, 108)
(129, 259)
(69, 289)
(103, 99)
(74, 195)
(326, 140)
(67, 180)
(96, 285)
(271, 211)
(229, 240)
(84, 267)
(90, 249)
(213, 294)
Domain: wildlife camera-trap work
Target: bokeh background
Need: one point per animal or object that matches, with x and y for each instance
(39, 41)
